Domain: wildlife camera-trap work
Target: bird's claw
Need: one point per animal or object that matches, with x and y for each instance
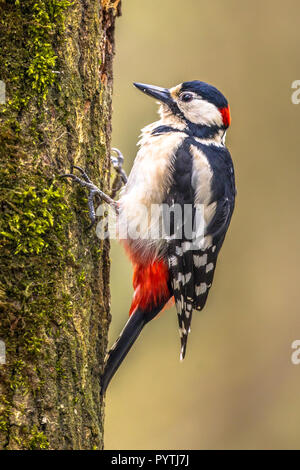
(86, 182)
(121, 178)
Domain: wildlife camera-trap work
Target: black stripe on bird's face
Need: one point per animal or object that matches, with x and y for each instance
(196, 103)
(202, 104)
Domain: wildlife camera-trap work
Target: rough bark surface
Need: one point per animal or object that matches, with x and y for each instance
(56, 62)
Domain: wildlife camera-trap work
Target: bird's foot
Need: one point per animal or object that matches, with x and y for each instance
(93, 191)
(121, 177)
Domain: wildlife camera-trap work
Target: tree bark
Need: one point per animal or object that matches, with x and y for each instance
(56, 63)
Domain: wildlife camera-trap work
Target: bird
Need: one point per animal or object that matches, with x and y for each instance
(174, 209)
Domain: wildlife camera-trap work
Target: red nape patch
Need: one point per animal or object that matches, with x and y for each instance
(150, 284)
(226, 116)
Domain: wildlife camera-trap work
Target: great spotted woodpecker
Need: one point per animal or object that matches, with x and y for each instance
(182, 162)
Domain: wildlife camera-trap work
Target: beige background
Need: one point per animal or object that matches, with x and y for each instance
(237, 387)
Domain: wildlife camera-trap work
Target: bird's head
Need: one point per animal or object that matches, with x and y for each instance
(195, 102)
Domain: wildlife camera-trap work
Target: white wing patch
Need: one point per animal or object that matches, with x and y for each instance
(200, 260)
(201, 288)
(190, 288)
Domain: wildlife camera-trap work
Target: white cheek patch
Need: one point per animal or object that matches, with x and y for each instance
(201, 112)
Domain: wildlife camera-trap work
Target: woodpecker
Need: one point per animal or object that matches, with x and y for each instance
(182, 163)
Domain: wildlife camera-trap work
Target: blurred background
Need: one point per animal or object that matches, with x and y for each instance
(237, 387)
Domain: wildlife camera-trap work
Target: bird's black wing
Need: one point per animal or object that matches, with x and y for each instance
(192, 255)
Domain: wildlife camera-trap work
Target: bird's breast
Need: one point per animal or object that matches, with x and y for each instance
(146, 189)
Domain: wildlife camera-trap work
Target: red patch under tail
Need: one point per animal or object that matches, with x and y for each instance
(150, 284)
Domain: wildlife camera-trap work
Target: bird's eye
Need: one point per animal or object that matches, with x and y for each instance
(186, 97)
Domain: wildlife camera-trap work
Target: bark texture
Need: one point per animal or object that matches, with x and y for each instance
(56, 62)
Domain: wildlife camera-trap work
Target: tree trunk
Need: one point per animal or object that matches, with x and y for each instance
(56, 64)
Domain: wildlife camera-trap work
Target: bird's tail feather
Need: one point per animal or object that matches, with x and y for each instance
(117, 353)
(119, 350)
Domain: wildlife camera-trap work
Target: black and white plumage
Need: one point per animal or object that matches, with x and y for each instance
(201, 175)
(192, 260)
(182, 163)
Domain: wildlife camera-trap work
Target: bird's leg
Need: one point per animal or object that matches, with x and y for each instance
(121, 177)
(93, 191)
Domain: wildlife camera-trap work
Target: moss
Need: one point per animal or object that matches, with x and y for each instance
(5, 412)
(17, 381)
(81, 278)
(60, 370)
(29, 71)
(54, 296)
(37, 440)
(33, 225)
(47, 15)
(35, 216)
(36, 252)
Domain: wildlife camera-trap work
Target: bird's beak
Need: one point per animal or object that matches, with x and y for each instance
(161, 94)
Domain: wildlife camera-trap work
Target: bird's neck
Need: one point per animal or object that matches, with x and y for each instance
(210, 134)
(204, 132)
(169, 120)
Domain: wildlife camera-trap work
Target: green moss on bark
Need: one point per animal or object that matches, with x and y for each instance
(31, 64)
(54, 293)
